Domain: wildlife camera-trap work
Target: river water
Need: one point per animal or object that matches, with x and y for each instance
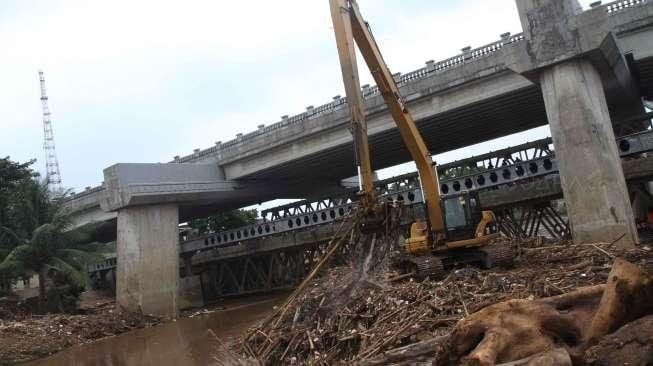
(186, 342)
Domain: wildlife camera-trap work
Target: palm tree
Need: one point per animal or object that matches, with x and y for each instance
(52, 247)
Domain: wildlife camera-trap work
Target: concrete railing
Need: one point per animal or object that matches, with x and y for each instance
(467, 55)
(618, 6)
(86, 192)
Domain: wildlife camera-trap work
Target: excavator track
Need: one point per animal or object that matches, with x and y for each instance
(498, 255)
(437, 266)
(422, 266)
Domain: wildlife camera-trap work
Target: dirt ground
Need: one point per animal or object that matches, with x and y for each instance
(25, 337)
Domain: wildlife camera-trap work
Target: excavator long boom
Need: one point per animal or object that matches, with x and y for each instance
(347, 53)
(349, 26)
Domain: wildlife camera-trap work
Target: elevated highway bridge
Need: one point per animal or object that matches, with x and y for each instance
(472, 97)
(579, 71)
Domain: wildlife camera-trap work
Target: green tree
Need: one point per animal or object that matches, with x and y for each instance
(461, 171)
(16, 182)
(17, 219)
(224, 221)
(35, 232)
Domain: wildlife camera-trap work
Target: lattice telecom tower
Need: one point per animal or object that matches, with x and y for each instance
(52, 175)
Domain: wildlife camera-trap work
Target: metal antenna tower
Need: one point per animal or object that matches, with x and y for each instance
(53, 175)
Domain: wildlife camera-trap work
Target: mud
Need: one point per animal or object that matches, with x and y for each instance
(26, 337)
(103, 335)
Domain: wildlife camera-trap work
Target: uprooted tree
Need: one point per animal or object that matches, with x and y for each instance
(566, 324)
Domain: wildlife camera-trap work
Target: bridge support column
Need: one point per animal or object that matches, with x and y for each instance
(590, 171)
(148, 259)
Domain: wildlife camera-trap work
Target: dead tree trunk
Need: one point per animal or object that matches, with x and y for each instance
(517, 329)
(628, 296)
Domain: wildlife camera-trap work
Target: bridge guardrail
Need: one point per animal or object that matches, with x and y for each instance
(611, 8)
(469, 55)
(621, 5)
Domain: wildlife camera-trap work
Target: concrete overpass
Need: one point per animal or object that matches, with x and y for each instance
(479, 90)
(577, 70)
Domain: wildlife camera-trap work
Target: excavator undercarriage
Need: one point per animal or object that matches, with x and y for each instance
(438, 264)
(472, 238)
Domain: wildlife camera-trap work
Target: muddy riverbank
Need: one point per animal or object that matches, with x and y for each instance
(103, 335)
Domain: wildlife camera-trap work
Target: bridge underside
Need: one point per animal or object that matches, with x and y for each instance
(484, 121)
(496, 117)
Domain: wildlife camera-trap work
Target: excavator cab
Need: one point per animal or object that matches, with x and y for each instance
(468, 231)
(466, 225)
(462, 213)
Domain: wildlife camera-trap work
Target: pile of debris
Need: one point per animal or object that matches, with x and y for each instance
(26, 337)
(358, 315)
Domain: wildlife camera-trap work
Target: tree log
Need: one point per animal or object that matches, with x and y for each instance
(631, 345)
(411, 351)
(584, 295)
(517, 329)
(554, 357)
(513, 330)
(628, 296)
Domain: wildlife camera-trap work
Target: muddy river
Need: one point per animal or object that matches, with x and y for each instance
(185, 342)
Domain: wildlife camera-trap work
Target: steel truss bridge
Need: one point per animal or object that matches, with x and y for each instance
(276, 252)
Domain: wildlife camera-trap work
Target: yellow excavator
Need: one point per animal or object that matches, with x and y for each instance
(455, 229)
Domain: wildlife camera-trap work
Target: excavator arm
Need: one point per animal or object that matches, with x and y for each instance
(349, 26)
(358, 126)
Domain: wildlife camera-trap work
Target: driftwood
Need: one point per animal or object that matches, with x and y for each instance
(517, 329)
(409, 352)
(628, 296)
(343, 230)
(508, 331)
(554, 357)
(349, 315)
(631, 345)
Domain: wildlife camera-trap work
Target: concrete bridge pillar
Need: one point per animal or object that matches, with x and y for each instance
(592, 178)
(148, 257)
(575, 58)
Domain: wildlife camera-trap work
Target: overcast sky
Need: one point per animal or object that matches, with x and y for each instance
(142, 81)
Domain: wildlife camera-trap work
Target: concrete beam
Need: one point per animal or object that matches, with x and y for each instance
(199, 187)
(550, 28)
(142, 184)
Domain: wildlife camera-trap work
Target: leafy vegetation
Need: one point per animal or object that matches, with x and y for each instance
(35, 235)
(461, 171)
(224, 221)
